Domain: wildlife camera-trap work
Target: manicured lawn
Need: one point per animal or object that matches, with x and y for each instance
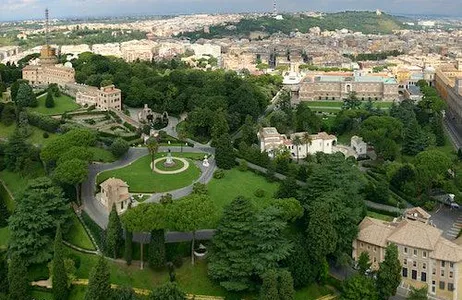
(17, 182)
(35, 138)
(77, 293)
(237, 183)
(141, 179)
(312, 292)
(194, 280)
(78, 236)
(4, 237)
(40, 295)
(63, 104)
(178, 165)
(379, 216)
(6, 197)
(102, 155)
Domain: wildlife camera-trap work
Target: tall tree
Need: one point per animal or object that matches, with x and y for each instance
(169, 290)
(224, 153)
(25, 97)
(72, 172)
(418, 294)
(17, 152)
(219, 127)
(41, 206)
(49, 101)
(364, 262)
(359, 287)
(286, 286)
(321, 231)
(128, 253)
(114, 233)
(306, 139)
(300, 263)
(288, 188)
(124, 293)
(157, 254)
(191, 214)
(59, 279)
(269, 288)
(119, 147)
(17, 279)
(233, 245)
(99, 287)
(297, 142)
(389, 274)
(153, 147)
(413, 140)
(4, 213)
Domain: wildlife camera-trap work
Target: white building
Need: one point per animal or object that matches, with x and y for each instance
(114, 192)
(359, 146)
(104, 98)
(272, 141)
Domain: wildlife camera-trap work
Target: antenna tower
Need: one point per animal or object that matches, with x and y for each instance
(46, 27)
(275, 11)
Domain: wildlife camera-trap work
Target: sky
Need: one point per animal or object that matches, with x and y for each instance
(33, 9)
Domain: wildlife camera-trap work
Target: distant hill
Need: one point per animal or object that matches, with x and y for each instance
(366, 22)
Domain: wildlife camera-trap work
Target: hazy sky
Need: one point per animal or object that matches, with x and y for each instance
(25, 9)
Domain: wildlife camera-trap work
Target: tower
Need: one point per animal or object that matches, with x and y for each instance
(275, 11)
(47, 54)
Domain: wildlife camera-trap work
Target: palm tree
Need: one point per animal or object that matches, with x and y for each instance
(153, 147)
(306, 139)
(297, 142)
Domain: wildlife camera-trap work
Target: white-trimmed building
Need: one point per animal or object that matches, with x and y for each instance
(115, 191)
(104, 98)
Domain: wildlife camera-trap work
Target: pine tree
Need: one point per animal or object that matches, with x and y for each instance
(269, 288)
(128, 247)
(114, 233)
(286, 286)
(287, 189)
(413, 142)
(17, 279)
(59, 279)
(49, 102)
(389, 274)
(16, 152)
(99, 287)
(233, 245)
(438, 130)
(156, 255)
(224, 154)
(25, 97)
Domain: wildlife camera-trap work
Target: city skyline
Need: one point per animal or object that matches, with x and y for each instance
(33, 9)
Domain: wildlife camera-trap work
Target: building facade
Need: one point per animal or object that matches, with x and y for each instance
(272, 141)
(339, 87)
(427, 258)
(114, 192)
(104, 98)
(448, 82)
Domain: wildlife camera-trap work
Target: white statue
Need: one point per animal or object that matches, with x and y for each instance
(169, 162)
(206, 163)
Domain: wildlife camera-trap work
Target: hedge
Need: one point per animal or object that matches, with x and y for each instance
(115, 116)
(43, 122)
(383, 212)
(111, 135)
(129, 126)
(97, 232)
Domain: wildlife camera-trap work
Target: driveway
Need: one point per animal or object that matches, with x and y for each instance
(448, 220)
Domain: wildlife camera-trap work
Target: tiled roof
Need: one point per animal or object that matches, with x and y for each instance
(114, 182)
(415, 234)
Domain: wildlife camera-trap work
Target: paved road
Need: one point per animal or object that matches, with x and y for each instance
(98, 212)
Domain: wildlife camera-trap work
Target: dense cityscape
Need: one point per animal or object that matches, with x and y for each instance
(268, 155)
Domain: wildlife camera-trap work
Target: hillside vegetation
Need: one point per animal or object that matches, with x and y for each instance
(366, 22)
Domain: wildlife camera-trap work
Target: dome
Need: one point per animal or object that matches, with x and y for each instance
(68, 64)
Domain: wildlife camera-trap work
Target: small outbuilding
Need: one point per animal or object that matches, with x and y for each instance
(115, 191)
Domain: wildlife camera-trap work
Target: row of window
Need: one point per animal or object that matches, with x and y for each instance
(442, 286)
(415, 252)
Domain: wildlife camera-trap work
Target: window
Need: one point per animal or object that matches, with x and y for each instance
(404, 262)
(451, 274)
(442, 273)
(375, 248)
(415, 252)
(434, 271)
(450, 287)
(451, 265)
(414, 264)
(442, 264)
(423, 276)
(433, 286)
(375, 259)
(121, 205)
(424, 266)
(404, 272)
(424, 254)
(405, 250)
(441, 285)
(414, 274)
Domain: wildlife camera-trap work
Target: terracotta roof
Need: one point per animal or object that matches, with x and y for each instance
(318, 136)
(418, 210)
(114, 182)
(415, 234)
(447, 250)
(374, 231)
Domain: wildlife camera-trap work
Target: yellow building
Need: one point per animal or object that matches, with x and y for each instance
(427, 258)
(448, 82)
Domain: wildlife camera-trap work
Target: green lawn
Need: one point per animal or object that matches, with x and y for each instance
(63, 104)
(102, 155)
(35, 138)
(312, 292)
(77, 293)
(237, 183)
(4, 237)
(379, 216)
(178, 165)
(17, 182)
(78, 236)
(141, 179)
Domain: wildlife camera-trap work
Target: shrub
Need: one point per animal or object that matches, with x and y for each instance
(43, 122)
(219, 174)
(46, 135)
(259, 193)
(92, 107)
(119, 147)
(130, 127)
(243, 166)
(200, 189)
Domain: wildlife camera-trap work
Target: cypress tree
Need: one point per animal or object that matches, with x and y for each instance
(269, 288)
(389, 274)
(59, 279)
(17, 279)
(114, 233)
(157, 249)
(128, 247)
(224, 154)
(99, 287)
(49, 101)
(413, 141)
(286, 286)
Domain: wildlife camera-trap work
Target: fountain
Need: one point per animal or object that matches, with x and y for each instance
(169, 161)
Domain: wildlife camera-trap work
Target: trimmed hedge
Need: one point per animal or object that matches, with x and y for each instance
(382, 212)
(129, 138)
(97, 232)
(129, 126)
(43, 122)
